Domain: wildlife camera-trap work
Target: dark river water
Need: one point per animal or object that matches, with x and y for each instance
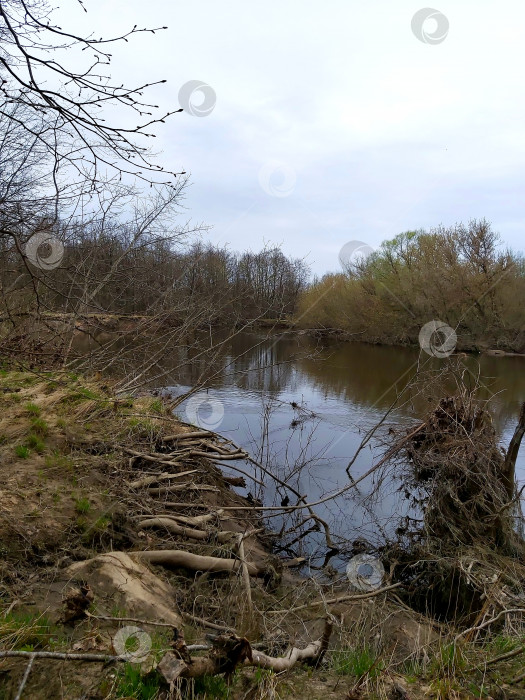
(302, 409)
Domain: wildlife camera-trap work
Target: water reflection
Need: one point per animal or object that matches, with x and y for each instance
(346, 388)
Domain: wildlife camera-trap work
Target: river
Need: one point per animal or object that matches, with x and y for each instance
(302, 407)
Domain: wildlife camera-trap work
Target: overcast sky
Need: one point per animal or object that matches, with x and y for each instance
(332, 121)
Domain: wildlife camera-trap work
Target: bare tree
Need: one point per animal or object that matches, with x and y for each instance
(38, 69)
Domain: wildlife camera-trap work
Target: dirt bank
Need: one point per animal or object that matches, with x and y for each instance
(115, 514)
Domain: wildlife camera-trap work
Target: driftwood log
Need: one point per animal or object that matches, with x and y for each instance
(231, 651)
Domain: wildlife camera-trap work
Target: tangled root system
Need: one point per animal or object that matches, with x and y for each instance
(462, 482)
(456, 466)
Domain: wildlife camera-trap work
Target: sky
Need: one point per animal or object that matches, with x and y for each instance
(331, 122)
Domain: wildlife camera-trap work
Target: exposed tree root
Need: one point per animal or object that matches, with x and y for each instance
(196, 562)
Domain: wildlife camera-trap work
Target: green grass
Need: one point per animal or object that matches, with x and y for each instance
(24, 631)
(40, 427)
(448, 660)
(22, 451)
(356, 662)
(33, 409)
(501, 644)
(211, 687)
(132, 684)
(58, 461)
(82, 505)
(101, 524)
(81, 394)
(35, 443)
(156, 406)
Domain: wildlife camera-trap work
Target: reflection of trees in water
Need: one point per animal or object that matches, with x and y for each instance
(251, 362)
(365, 375)
(369, 375)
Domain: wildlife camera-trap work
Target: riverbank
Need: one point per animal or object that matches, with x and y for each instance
(95, 486)
(98, 328)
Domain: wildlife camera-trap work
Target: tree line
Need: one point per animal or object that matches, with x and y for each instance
(93, 224)
(460, 275)
(111, 272)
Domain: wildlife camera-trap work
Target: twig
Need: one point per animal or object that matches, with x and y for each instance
(504, 657)
(173, 527)
(24, 678)
(206, 623)
(241, 471)
(63, 656)
(187, 436)
(340, 599)
(182, 487)
(488, 622)
(129, 619)
(195, 562)
(245, 574)
(151, 458)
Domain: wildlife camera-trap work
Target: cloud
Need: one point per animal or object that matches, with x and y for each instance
(383, 132)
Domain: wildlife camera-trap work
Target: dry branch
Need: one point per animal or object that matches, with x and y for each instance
(198, 519)
(154, 478)
(206, 623)
(63, 656)
(340, 599)
(232, 651)
(245, 573)
(151, 458)
(181, 487)
(187, 436)
(509, 466)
